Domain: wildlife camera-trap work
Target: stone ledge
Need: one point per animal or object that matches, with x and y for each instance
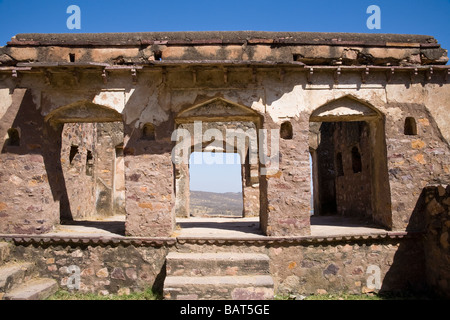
(168, 242)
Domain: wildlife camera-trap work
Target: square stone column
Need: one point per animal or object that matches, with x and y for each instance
(149, 195)
(286, 191)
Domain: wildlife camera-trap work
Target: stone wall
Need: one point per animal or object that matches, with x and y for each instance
(435, 203)
(107, 170)
(149, 183)
(288, 188)
(354, 185)
(79, 139)
(27, 202)
(276, 88)
(297, 266)
(90, 168)
(414, 160)
(102, 269)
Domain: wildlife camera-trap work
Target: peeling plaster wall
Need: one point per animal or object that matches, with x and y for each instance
(413, 162)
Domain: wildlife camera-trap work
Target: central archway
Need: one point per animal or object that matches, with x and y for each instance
(219, 125)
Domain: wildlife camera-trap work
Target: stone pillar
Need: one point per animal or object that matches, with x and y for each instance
(148, 189)
(29, 200)
(182, 190)
(286, 194)
(250, 189)
(149, 183)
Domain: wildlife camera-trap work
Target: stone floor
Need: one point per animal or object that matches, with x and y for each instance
(194, 227)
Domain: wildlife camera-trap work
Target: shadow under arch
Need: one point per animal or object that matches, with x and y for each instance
(82, 111)
(343, 115)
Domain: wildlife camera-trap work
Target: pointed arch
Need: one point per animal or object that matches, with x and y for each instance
(83, 111)
(346, 108)
(351, 147)
(218, 109)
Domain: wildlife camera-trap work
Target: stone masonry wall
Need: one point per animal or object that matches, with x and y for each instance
(149, 183)
(77, 140)
(27, 202)
(436, 204)
(102, 269)
(109, 135)
(288, 189)
(414, 161)
(354, 189)
(296, 267)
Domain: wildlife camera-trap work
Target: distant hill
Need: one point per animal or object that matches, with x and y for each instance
(204, 203)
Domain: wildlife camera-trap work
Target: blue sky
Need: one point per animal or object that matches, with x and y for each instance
(430, 17)
(224, 176)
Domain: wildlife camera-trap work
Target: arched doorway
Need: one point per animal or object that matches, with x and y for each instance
(219, 126)
(349, 164)
(87, 171)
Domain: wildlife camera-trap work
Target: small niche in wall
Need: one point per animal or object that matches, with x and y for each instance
(13, 137)
(89, 163)
(410, 128)
(119, 151)
(286, 132)
(356, 160)
(71, 57)
(148, 132)
(73, 152)
(157, 55)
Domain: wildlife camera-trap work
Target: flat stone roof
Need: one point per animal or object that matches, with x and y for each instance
(222, 37)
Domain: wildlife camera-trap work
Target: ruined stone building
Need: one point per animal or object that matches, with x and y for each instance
(89, 123)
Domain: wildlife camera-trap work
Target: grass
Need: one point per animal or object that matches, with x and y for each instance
(150, 295)
(369, 296)
(68, 295)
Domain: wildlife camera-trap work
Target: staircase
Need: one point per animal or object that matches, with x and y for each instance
(19, 281)
(218, 276)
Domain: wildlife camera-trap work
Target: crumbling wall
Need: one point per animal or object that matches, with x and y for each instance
(157, 90)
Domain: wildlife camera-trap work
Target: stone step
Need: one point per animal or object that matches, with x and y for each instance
(216, 264)
(5, 249)
(34, 289)
(259, 287)
(13, 274)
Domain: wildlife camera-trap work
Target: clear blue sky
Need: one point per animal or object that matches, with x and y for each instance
(207, 176)
(430, 17)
